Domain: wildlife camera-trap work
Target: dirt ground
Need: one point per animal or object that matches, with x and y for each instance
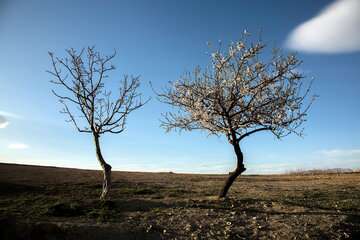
(58, 203)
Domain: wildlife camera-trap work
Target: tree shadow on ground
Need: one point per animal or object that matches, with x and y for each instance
(15, 189)
(10, 229)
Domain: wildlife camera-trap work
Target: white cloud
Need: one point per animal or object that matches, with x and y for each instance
(4, 118)
(3, 122)
(334, 30)
(9, 114)
(332, 158)
(18, 146)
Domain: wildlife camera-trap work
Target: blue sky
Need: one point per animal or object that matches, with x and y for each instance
(160, 40)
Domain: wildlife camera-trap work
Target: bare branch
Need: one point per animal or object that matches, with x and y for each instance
(84, 87)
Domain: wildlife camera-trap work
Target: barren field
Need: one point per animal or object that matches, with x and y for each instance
(59, 203)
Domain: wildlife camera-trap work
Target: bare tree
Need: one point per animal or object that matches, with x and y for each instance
(239, 94)
(81, 77)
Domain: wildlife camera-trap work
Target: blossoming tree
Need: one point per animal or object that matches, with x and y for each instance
(240, 94)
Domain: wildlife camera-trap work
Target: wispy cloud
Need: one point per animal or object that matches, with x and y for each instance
(269, 168)
(332, 158)
(334, 30)
(18, 146)
(3, 122)
(342, 155)
(10, 115)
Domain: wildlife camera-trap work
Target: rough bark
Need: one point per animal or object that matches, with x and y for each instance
(233, 175)
(106, 169)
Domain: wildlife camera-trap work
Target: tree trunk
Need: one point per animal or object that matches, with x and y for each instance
(106, 169)
(233, 175)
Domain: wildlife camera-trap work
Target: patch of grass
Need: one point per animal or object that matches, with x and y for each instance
(137, 190)
(16, 189)
(177, 192)
(145, 191)
(102, 211)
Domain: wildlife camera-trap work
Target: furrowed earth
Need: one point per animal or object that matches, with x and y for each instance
(59, 203)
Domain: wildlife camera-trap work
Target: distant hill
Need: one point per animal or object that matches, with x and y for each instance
(323, 171)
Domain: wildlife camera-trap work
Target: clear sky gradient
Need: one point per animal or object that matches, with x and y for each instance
(161, 40)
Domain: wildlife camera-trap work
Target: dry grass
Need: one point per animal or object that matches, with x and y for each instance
(43, 201)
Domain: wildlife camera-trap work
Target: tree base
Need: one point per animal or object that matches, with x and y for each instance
(232, 176)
